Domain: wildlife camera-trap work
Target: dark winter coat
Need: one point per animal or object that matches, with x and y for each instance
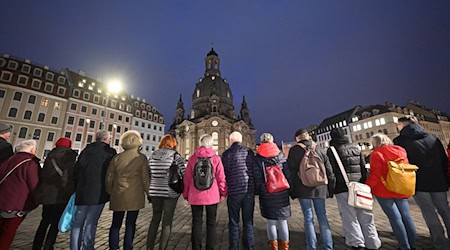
(354, 165)
(273, 206)
(6, 150)
(17, 192)
(90, 172)
(301, 191)
(54, 188)
(239, 163)
(427, 152)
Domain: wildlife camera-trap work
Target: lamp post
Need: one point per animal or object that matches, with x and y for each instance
(113, 87)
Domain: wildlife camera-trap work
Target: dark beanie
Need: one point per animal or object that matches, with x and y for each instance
(301, 131)
(64, 142)
(4, 128)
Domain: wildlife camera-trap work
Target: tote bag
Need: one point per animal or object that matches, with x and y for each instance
(68, 216)
(275, 179)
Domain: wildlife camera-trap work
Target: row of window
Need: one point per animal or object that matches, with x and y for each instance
(143, 115)
(87, 96)
(94, 111)
(369, 124)
(28, 113)
(23, 132)
(148, 137)
(35, 83)
(370, 134)
(31, 99)
(13, 65)
(149, 126)
(330, 127)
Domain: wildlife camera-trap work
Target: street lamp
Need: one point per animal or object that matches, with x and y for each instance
(113, 87)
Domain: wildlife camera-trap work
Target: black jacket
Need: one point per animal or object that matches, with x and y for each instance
(354, 165)
(427, 152)
(90, 172)
(6, 150)
(296, 154)
(54, 188)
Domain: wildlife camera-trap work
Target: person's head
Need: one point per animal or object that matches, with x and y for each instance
(266, 137)
(206, 141)
(5, 131)
(64, 142)
(405, 121)
(338, 136)
(168, 141)
(130, 139)
(103, 136)
(302, 134)
(380, 139)
(28, 146)
(235, 137)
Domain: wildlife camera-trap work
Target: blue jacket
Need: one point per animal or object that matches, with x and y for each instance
(239, 163)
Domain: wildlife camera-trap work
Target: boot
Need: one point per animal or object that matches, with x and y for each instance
(273, 244)
(284, 245)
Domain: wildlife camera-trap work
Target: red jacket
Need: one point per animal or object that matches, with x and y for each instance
(378, 168)
(17, 189)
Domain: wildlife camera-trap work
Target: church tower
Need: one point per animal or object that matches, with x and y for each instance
(212, 112)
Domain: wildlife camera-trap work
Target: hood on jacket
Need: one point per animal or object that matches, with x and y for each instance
(338, 137)
(204, 152)
(130, 139)
(268, 149)
(163, 153)
(392, 152)
(414, 131)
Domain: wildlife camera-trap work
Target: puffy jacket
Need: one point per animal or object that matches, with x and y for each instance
(239, 163)
(18, 189)
(427, 152)
(448, 156)
(219, 186)
(354, 165)
(378, 168)
(6, 150)
(273, 206)
(54, 188)
(90, 174)
(296, 154)
(159, 165)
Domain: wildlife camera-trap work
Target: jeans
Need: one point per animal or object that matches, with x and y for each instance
(84, 227)
(8, 228)
(397, 211)
(165, 208)
(50, 217)
(236, 203)
(429, 203)
(130, 228)
(321, 213)
(358, 224)
(197, 214)
(277, 230)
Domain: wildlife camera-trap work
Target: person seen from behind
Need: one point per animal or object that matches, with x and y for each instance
(6, 149)
(54, 190)
(394, 205)
(163, 198)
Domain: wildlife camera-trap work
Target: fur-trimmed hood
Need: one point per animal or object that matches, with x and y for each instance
(130, 139)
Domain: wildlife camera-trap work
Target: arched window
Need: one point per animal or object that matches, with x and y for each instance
(41, 117)
(12, 112)
(23, 132)
(27, 115)
(36, 134)
(198, 92)
(215, 137)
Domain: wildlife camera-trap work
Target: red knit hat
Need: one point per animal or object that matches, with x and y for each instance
(64, 142)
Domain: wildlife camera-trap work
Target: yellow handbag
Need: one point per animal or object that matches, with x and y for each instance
(401, 177)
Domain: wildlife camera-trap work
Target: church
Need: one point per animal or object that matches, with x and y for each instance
(212, 112)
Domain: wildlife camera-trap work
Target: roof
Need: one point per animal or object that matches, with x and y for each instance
(346, 115)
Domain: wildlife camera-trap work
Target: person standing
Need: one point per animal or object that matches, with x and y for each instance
(358, 224)
(204, 199)
(19, 179)
(394, 205)
(163, 198)
(90, 194)
(275, 207)
(312, 196)
(6, 149)
(127, 184)
(427, 152)
(54, 190)
(239, 163)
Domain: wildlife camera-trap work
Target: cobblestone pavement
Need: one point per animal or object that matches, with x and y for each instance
(181, 232)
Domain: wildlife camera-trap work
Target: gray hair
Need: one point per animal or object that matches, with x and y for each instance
(380, 139)
(266, 137)
(235, 137)
(206, 141)
(101, 136)
(26, 146)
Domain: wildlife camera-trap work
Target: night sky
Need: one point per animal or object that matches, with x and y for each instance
(297, 62)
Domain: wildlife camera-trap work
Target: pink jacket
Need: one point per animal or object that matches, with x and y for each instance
(219, 186)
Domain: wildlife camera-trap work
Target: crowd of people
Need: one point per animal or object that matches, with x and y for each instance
(100, 175)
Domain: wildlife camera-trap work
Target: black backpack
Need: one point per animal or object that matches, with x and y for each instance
(175, 177)
(203, 174)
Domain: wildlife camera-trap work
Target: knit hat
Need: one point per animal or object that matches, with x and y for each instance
(4, 128)
(64, 142)
(301, 131)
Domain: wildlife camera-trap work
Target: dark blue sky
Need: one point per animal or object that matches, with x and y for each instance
(297, 62)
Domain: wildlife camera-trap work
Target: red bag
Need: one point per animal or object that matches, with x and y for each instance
(275, 179)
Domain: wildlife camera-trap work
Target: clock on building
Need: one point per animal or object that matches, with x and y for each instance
(214, 123)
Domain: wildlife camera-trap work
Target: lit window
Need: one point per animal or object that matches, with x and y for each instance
(365, 125)
(57, 105)
(377, 122)
(80, 84)
(382, 121)
(198, 92)
(395, 119)
(369, 124)
(44, 102)
(91, 87)
(359, 127)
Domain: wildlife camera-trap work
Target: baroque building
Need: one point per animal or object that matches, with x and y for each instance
(212, 112)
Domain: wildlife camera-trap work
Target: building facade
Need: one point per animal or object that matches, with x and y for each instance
(212, 112)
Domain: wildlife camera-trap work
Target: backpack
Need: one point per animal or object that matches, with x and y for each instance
(312, 171)
(203, 173)
(175, 177)
(401, 177)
